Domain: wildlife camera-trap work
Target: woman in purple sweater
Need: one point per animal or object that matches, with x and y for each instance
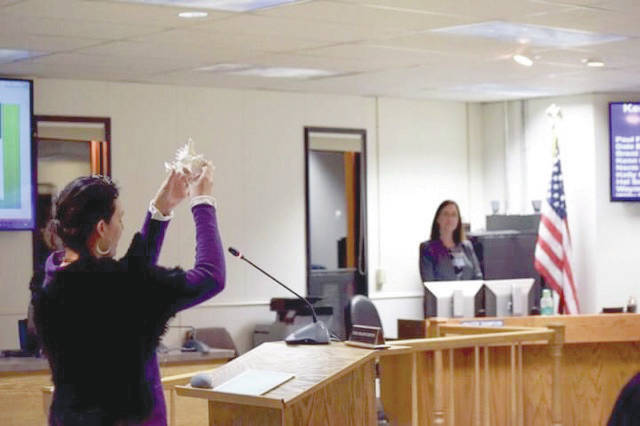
(100, 319)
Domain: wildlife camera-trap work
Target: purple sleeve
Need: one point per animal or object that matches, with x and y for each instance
(152, 234)
(207, 277)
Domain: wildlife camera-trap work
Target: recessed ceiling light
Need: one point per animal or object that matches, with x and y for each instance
(193, 15)
(594, 63)
(227, 5)
(497, 89)
(523, 60)
(265, 71)
(224, 67)
(12, 55)
(536, 35)
(284, 72)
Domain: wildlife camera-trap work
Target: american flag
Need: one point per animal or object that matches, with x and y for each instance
(553, 249)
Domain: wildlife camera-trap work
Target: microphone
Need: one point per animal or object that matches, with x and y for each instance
(314, 333)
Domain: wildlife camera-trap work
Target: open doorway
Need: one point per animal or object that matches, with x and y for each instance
(67, 147)
(336, 230)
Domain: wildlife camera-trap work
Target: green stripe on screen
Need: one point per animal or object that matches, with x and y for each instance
(11, 147)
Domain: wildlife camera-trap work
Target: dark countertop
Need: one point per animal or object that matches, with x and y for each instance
(32, 364)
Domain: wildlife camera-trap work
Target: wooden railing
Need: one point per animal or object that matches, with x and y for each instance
(413, 374)
(443, 338)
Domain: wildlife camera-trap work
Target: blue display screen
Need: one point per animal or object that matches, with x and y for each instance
(624, 146)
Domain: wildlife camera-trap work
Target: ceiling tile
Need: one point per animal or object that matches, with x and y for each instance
(8, 2)
(245, 43)
(453, 45)
(360, 15)
(595, 20)
(107, 63)
(342, 65)
(382, 47)
(624, 6)
(375, 57)
(43, 43)
(297, 28)
(79, 72)
(73, 28)
(189, 56)
(486, 10)
(584, 3)
(99, 10)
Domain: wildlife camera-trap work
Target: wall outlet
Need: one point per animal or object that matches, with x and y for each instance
(381, 278)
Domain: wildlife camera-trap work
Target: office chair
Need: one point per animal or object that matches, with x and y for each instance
(216, 337)
(362, 311)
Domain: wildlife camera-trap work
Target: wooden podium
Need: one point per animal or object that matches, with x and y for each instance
(332, 384)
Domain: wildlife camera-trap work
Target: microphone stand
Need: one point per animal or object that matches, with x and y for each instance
(315, 333)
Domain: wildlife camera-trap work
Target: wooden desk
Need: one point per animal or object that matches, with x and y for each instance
(22, 380)
(333, 385)
(601, 353)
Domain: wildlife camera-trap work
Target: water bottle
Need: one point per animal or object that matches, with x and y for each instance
(546, 302)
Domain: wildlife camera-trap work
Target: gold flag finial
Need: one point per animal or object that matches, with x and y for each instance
(555, 115)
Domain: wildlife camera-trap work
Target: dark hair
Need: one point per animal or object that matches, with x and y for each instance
(80, 206)
(458, 233)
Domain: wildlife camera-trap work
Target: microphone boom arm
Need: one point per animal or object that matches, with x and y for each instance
(238, 254)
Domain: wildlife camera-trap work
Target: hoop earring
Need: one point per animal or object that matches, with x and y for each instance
(100, 251)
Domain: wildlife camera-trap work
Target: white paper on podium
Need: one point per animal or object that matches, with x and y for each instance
(254, 382)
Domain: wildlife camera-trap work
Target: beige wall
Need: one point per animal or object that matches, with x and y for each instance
(422, 161)
(418, 152)
(603, 233)
(255, 139)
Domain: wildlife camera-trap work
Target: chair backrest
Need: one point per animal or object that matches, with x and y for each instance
(216, 337)
(362, 311)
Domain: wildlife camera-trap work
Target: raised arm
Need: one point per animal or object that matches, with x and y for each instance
(148, 242)
(207, 277)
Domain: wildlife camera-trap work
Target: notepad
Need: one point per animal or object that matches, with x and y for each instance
(366, 345)
(254, 382)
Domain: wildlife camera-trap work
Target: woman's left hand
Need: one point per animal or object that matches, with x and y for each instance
(173, 190)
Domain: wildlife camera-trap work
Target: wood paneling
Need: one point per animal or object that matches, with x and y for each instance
(593, 373)
(313, 366)
(349, 400)
(396, 374)
(412, 329)
(332, 384)
(230, 414)
(188, 411)
(21, 397)
(582, 328)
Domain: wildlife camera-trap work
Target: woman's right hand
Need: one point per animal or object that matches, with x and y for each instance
(173, 190)
(203, 183)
